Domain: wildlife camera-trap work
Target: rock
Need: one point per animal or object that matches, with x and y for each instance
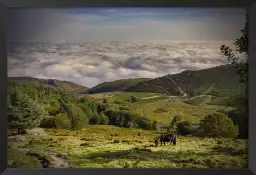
(18, 137)
(10, 162)
(36, 131)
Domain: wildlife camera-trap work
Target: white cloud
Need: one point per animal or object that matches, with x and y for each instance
(92, 63)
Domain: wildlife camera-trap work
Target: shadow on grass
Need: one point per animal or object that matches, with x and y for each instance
(230, 150)
(182, 158)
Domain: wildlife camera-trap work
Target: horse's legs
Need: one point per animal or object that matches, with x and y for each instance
(164, 143)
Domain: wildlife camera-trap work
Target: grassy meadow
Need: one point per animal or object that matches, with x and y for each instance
(106, 146)
(101, 146)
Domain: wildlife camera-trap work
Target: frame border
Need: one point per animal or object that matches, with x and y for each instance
(248, 4)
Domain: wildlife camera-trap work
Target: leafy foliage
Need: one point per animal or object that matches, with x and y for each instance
(62, 121)
(184, 128)
(218, 125)
(240, 118)
(47, 122)
(242, 47)
(23, 112)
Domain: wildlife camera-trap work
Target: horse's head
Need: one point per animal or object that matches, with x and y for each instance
(156, 142)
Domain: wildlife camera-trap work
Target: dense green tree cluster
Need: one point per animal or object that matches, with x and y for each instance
(218, 125)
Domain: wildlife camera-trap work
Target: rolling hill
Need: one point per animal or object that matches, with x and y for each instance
(219, 81)
(118, 85)
(65, 85)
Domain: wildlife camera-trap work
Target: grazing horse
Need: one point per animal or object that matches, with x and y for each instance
(166, 138)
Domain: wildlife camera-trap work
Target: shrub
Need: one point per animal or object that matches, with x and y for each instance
(218, 125)
(154, 125)
(104, 119)
(62, 121)
(184, 128)
(240, 118)
(130, 125)
(143, 123)
(95, 119)
(47, 122)
(132, 99)
(50, 109)
(174, 121)
(101, 108)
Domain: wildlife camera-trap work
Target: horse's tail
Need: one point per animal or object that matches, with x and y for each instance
(174, 140)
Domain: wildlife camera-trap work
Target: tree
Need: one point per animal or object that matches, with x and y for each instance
(184, 127)
(95, 119)
(143, 123)
(240, 118)
(242, 47)
(104, 119)
(174, 121)
(62, 121)
(218, 125)
(76, 115)
(154, 125)
(23, 112)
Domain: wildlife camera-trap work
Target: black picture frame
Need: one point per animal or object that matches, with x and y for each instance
(248, 4)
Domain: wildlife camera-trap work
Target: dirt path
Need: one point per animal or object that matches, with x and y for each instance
(155, 96)
(181, 91)
(58, 160)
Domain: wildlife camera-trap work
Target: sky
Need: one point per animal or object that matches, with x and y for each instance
(122, 24)
(89, 46)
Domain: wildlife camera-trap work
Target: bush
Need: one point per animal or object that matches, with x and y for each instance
(143, 123)
(240, 118)
(184, 128)
(95, 119)
(62, 121)
(104, 119)
(218, 125)
(174, 121)
(154, 125)
(130, 125)
(47, 122)
(132, 99)
(101, 108)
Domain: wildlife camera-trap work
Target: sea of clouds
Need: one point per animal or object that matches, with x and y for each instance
(92, 63)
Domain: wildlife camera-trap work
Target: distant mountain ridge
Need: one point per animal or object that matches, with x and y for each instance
(117, 85)
(220, 81)
(64, 85)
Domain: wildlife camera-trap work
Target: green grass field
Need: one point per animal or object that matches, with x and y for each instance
(113, 147)
(163, 109)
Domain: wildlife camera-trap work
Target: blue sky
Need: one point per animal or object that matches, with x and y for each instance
(106, 24)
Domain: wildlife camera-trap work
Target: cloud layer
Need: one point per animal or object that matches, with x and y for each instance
(92, 63)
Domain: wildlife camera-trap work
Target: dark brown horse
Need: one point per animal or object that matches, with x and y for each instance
(166, 138)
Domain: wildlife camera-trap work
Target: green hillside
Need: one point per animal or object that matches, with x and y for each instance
(218, 81)
(118, 85)
(64, 85)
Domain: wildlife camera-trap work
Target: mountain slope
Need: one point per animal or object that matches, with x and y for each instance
(65, 85)
(217, 81)
(118, 85)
